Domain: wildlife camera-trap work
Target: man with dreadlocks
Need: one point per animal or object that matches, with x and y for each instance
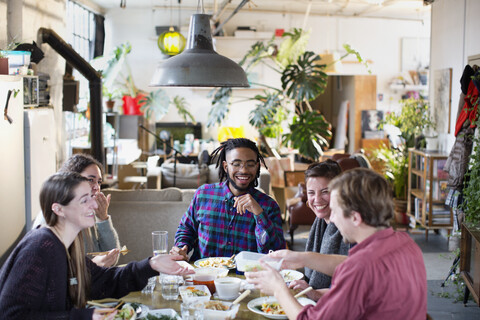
(231, 216)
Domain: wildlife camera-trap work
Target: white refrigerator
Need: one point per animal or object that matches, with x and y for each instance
(12, 185)
(40, 156)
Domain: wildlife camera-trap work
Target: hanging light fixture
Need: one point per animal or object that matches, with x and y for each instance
(171, 42)
(199, 65)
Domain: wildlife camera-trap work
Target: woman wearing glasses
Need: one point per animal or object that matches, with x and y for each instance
(231, 216)
(102, 236)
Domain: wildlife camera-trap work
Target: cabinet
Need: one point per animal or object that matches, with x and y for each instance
(427, 190)
(470, 260)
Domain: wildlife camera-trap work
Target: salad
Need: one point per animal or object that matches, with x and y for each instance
(271, 308)
(126, 313)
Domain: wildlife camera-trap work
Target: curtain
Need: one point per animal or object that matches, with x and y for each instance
(99, 41)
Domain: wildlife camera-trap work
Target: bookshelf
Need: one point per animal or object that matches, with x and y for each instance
(427, 191)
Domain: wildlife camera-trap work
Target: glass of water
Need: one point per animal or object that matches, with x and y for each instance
(160, 242)
(192, 311)
(170, 286)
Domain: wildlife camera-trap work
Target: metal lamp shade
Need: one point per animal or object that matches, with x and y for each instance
(199, 65)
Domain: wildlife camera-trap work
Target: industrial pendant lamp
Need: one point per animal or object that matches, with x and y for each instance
(199, 65)
(171, 42)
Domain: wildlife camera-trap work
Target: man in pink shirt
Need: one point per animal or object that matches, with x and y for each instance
(383, 276)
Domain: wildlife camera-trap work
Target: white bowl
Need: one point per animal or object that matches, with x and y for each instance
(228, 288)
(188, 293)
(218, 314)
(218, 272)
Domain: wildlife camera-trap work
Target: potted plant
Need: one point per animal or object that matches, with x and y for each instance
(412, 120)
(303, 79)
(156, 104)
(111, 95)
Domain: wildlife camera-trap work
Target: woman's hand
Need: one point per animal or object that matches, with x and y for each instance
(181, 251)
(104, 313)
(167, 263)
(107, 260)
(268, 280)
(102, 202)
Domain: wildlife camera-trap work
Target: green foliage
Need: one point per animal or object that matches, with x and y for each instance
(471, 191)
(308, 133)
(181, 104)
(396, 168)
(304, 80)
(412, 120)
(156, 104)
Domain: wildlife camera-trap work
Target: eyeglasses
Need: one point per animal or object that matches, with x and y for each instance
(250, 164)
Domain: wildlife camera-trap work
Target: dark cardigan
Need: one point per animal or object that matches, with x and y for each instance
(33, 280)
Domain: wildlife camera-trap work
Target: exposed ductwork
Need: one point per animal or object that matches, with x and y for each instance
(95, 83)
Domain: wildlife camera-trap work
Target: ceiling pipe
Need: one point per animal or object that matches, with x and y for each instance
(14, 21)
(240, 6)
(95, 83)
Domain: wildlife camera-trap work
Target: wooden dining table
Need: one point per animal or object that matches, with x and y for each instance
(155, 301)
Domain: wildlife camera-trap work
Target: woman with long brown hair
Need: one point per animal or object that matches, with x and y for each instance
(47, 276)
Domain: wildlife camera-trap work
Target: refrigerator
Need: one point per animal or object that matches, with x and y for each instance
(40, 156)
(12, 186)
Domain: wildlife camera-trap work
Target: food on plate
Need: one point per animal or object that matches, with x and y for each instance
(217, 263)
(126, 313)
(194, 291)
(271, 308)
(216, 305)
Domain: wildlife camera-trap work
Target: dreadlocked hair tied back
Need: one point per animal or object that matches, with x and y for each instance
(219, 155)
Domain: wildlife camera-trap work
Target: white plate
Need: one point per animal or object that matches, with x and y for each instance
(197, 263)
(290, 275)
(253, 304)
(164, 312)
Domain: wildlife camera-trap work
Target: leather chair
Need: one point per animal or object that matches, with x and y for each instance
(299, 212)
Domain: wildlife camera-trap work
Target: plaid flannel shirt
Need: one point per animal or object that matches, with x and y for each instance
(213, 227)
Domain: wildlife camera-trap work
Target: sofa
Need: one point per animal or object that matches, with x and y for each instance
(136, 213)
(191, 176)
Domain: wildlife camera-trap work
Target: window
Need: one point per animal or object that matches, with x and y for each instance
(81, 36)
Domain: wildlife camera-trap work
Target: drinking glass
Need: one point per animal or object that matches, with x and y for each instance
(170, 284)
(192, 310)
(160, 242)
(160, 246)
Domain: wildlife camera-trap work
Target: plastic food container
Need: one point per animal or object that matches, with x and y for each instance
(249, 261)
(218, 314)
(189, 294)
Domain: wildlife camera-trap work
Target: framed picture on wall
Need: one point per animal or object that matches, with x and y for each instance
(442, 99)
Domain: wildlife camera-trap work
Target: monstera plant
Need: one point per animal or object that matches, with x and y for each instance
(303, 79)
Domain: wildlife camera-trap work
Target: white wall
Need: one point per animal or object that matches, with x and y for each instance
(376, 39)
(455, 26)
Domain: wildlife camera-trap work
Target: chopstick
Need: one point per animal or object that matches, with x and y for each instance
(116, 308)
(301, 293)
(103, 253)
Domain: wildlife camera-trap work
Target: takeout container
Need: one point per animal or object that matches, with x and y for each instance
(249, 261)
(217, 272)
(188, 296)
(220, 315)
(228, 288)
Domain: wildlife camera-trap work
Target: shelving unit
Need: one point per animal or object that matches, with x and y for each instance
(425, 180)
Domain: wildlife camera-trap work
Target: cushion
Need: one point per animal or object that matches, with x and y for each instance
(168, 194)
(188, 176)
